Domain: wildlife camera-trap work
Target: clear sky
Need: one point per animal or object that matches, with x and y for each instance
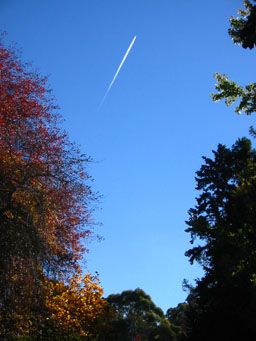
(153, 128)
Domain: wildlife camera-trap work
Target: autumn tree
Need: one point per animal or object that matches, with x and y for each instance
(44, 197)
(75, 309)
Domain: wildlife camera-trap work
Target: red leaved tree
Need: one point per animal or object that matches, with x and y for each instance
(44, 196)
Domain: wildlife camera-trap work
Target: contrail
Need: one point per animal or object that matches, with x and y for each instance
(117, 71)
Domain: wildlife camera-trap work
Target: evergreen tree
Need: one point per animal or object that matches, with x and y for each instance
(222, 306)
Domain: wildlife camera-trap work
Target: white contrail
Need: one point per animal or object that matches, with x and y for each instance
(117, 71)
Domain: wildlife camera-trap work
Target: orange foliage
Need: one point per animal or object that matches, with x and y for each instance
(75, 307)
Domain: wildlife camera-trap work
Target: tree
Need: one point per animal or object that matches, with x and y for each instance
(44, 197)
(74, 309)
(222, 306)
(178, 317)
(243, 32)
(136, 317)
(243, 28)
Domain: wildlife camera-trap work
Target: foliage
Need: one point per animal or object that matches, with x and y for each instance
(178, 317)
(243, 28)
(242, 31)
(231, 92)
(136, 317)
(74, 308)
(222, 305)
(224, 222)
(44, 199)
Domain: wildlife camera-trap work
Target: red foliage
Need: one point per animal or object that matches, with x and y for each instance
(44, 199)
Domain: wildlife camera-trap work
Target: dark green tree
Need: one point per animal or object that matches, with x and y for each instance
(178, 317)
(222, 306)
(136, 317)
(243, 28)
(243, 32)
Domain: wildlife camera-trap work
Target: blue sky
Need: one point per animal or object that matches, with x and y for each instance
(155, 125)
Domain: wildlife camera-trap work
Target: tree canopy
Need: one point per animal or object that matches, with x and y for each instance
(243, 32)
(44, 196)
(243, 28)
(223, 221)
(136, 317)
(222, 304)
